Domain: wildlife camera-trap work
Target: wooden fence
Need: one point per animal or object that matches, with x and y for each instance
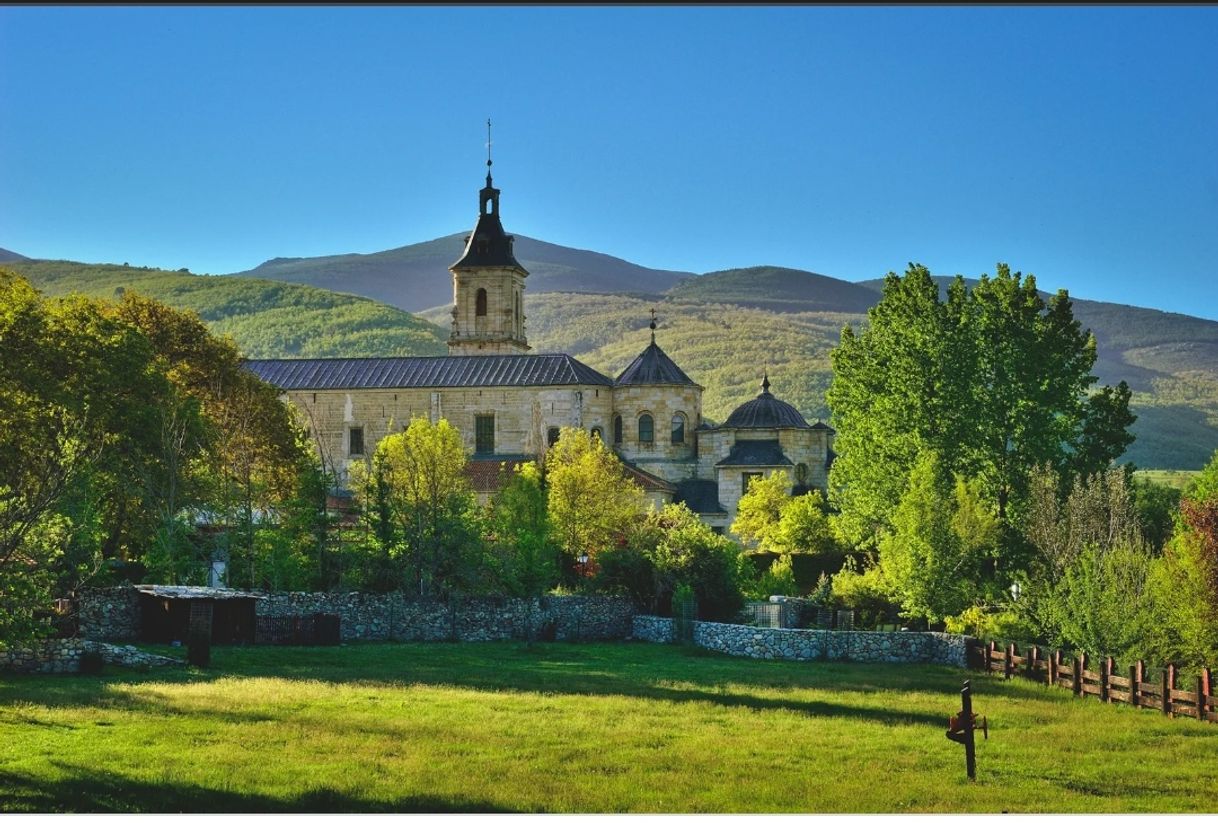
(1160, 693)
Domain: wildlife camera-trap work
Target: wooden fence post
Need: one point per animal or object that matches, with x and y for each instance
(990, 648)
(1200, 698)
(1134, 671)
(1207, 687)
(1009, 664)
(1105, 673)
(1169, 683)
(1033, 656)
(1054, 659)
(1078, 676)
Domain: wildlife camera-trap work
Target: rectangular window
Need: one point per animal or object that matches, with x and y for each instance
(355, 443)
(484, 433)
(749, 477)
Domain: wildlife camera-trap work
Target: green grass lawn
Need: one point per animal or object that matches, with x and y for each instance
(576, 728)
(1176, 478)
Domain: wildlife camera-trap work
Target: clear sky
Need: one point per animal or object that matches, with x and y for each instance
(1079, 144)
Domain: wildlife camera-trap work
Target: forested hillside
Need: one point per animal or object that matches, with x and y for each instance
(723, 328)
(416, 277)
(264, 318)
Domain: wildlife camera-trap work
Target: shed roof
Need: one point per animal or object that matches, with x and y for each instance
(197, 593)
(491, 371)
(649, 481)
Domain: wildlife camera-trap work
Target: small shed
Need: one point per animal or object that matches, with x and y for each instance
(169, 613)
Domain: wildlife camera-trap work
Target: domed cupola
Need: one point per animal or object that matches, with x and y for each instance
(765, 412)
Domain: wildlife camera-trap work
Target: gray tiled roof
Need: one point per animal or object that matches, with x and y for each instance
(701, 496)
(490, 370)
(755, 453)
(653, 366)
(765, 412)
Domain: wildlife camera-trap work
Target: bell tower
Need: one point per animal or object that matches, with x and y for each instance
(488, 284)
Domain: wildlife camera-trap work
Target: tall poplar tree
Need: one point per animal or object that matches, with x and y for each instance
(992, 379)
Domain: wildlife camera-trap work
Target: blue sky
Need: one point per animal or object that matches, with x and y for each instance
(1078, 144)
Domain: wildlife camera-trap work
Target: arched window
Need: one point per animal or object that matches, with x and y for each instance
(646, 429)
(552, 435)
(617, 429)
(480, 303)
(597, 433)
(678, 428)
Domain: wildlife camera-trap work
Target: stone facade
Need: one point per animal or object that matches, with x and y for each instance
(815, 644)
(62, 656)
(348, 418)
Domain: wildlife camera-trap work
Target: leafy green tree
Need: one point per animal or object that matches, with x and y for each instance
(418, 483)
(760, 509)
(525, 552)
(862, 586)
(933, 558)
(1158, 506)
(1185, 583)
(994, 379)
(591, 501)
(778, 578)
(771, 520)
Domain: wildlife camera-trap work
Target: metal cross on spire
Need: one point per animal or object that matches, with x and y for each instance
(653, 325)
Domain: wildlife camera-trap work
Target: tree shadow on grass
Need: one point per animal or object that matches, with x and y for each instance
(86, 790)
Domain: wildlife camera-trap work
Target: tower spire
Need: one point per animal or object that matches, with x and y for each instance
(653, 325)
(765, 380)
(488, 152)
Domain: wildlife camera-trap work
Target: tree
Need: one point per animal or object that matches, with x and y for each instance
(592, 503)
(771, 520)
(941, 535)
(524, 548)
(993, 379)
(1185, 583)
(418, 481)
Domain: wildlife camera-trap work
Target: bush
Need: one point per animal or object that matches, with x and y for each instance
(779, 578)
(990, 624)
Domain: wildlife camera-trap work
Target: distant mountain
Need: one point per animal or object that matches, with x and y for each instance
(7, 256)
(776, 289)
(723, 327)
(416, 277)
(264, 318)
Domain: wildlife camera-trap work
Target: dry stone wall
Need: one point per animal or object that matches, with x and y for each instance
(814, 644)
(111, 614)
(368, 616)
(114, 615)
(62, 655)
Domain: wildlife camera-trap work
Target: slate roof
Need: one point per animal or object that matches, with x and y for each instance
(647, 480)
(755, 453)
(701, 496)
(766, 411)
(489, 245)
(653, 366)
(490, 370)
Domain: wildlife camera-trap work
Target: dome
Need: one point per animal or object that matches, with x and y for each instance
(765, 412)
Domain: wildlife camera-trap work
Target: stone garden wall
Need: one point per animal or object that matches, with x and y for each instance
(63, 655)
(814, 644)
(114, 615)
(111, 614)
(367, 616)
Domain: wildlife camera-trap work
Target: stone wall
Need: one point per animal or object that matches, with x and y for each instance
(63, 656)
(815, 644)
(109, 614)
(367, 616)
(114, 615)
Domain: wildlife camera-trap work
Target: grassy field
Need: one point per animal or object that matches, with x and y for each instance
(1176, 478)
(576, 728)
